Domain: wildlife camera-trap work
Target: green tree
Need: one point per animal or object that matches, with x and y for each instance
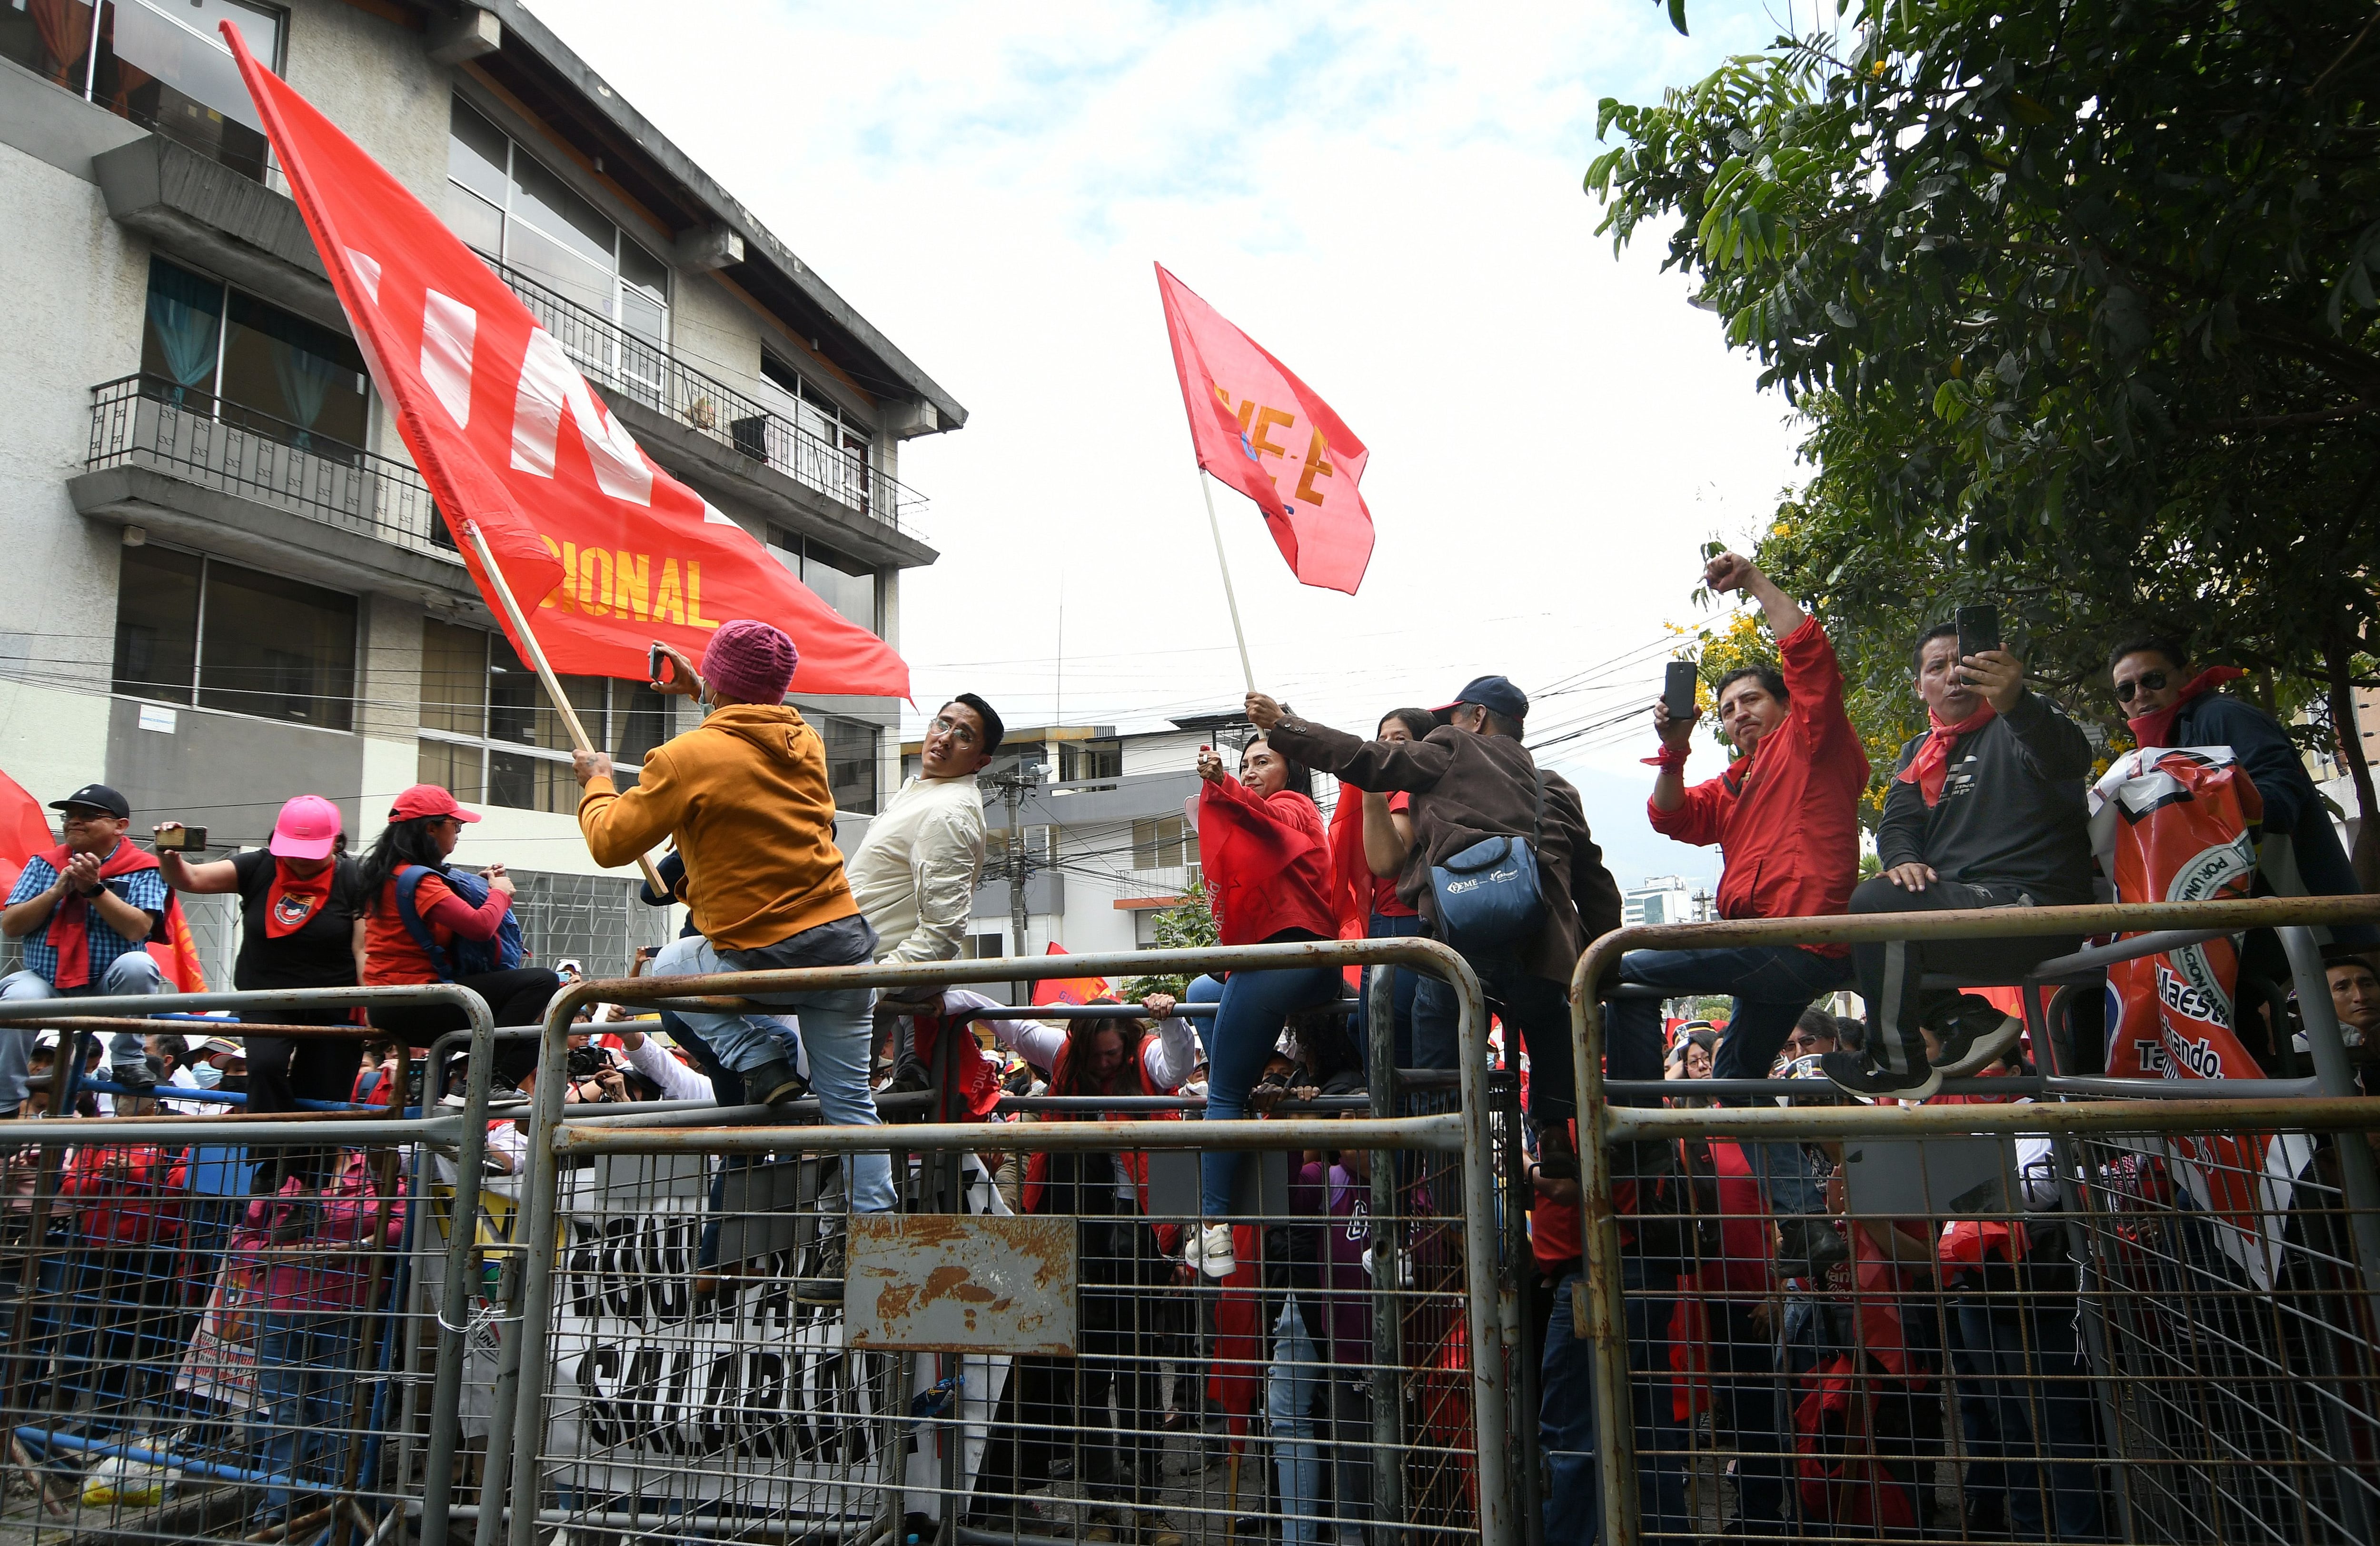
(1189, 924)
(2078, 300)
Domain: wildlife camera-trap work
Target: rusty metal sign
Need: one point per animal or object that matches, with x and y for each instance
(961, 1284)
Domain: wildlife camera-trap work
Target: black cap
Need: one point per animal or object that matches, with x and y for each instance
(99, 796)
(1493, 692)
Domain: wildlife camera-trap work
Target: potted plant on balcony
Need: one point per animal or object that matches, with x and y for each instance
(701, 415)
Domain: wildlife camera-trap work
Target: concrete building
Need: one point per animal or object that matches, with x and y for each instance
(230, 585)
(1661, 899)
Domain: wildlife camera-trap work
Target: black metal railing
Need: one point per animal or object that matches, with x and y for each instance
(151, 422)
(612, 357)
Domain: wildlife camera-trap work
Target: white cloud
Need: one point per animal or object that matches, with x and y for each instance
(1387, 196)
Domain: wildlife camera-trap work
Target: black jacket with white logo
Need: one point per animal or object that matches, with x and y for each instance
(2011, 811)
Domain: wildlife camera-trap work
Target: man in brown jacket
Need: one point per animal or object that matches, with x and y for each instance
(745, 795)
(1471, 779)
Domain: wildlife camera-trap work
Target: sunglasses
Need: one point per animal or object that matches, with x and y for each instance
(2147, 681)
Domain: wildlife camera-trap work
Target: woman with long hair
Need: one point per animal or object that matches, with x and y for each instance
(1266, 862)
(1371, 838)
(424, 824)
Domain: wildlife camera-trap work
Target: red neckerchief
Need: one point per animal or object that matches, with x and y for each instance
(2156, 728)
(292, 900)
(1928, 768)
(70, 927)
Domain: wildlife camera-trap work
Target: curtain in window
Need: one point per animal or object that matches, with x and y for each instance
(64, 26)
(305, 378)
(183, 313)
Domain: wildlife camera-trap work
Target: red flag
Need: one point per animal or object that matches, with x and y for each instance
(177, 954)
(24, 831)
(607, 551)
(1068, 990)
(1260, 429)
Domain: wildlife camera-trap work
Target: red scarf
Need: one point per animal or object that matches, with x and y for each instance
(1932, 763)
(292, 900)
(70, 927)
(2156, 728)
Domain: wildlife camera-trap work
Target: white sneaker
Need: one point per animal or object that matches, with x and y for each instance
(1210, 1250)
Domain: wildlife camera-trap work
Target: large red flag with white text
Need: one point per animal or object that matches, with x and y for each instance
(603, 550)
(1263, 432)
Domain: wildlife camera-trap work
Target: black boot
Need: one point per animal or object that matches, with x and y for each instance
(774, 1083)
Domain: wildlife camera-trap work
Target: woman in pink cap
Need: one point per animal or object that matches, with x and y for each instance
(301, 905)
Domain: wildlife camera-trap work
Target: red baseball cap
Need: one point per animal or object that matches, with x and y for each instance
(308, 828)
(427, 799)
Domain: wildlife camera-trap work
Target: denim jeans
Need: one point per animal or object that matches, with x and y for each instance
(2021, 1394)
(1401, 991)
(302, 1378)
(835, 1030)
(1538, 1007)
(1296, 1378)
(1249, 1014)
(1772, 985)
(1566, 1429)
(134, 973)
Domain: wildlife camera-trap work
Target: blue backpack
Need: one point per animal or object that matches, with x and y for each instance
(1488, 895)
(470, 958)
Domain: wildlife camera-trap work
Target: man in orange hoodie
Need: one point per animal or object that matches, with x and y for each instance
(745, 796)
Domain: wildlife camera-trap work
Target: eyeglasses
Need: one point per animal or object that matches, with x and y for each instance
(2147, 681)
(944, 726)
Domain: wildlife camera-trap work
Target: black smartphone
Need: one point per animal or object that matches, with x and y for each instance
(1678, 689)
(655, 663)
(1979, 628)
(183, 840)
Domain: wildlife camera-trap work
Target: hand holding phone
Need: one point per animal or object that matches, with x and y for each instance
(1678, 689)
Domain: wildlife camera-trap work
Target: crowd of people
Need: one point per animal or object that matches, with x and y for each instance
(1447, 826)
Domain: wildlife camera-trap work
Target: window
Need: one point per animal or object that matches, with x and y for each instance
(160, 62)
(850, 761)
(847, 585)
(1087, 760)
(510, 207)
(489, 734)
(824, 449)
(223, 353)
(191, 629)
(1165, 843)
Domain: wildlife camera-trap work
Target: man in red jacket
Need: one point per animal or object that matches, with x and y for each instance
(1786, 816)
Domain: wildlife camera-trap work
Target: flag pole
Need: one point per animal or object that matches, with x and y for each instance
(1207, 487)
(545, 673)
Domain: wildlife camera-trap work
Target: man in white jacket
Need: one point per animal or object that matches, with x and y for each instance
(915, 873)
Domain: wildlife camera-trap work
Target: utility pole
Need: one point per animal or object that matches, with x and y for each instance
(1014, 786)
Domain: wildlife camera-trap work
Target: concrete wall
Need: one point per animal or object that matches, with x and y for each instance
(227, 772)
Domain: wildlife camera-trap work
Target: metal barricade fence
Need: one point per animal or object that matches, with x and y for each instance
(234, 1327)
(2059, 1307)
(722, 1348)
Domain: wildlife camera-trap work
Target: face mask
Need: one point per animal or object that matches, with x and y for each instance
(207, 1073)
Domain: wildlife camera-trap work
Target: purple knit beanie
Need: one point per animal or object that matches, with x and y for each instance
(750, 661)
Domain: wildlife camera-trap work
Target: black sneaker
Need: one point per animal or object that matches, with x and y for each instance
(1855, 1076)
(1974, 1034)
(1813, 1244)
(774, 1083)
(135, 1077)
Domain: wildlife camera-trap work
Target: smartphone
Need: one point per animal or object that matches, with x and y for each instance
(1678, 689)
(1979, 628)
(656, 662)
(182, 840)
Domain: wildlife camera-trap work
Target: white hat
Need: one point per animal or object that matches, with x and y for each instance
(46, 1039)
(215, 1044)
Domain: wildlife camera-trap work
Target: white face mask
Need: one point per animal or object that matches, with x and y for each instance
(207, 1073)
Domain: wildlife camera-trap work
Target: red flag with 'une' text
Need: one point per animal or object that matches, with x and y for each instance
(603, 550)
(1069, 989)
(1263, 432)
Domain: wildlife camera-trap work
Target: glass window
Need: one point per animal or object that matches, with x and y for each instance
(181, 335)
(478, 223)
(165, 67)
(452, 768)
(640, 719)
(478, 155)
(850, 761)
(521, 783)
(308, 380)
(52, 38)
(1165, 843)
(1083, 759)
(481, 707)
(518, 710)
(454, 679)
(157, 623)
(277, 647)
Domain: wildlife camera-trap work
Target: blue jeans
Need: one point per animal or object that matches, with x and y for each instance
(302, 1376)
(837, 1031)
(1296, 1378)
(1771, 984)
(1539, 1007)
(1386, 927)
(2015, 1403)
(133, 972)
(1566, 1430)
(1253, 1007)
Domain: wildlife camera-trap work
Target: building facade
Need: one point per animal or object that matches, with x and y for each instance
(1661, 899)
(230, 584)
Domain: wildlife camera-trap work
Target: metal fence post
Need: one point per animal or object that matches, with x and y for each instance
(1388, 1310)
(540, 1230)
(462, 1213)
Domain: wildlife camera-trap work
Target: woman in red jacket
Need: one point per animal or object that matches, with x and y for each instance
(1268, 869)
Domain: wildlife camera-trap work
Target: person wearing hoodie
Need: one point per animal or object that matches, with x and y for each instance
(745, 798)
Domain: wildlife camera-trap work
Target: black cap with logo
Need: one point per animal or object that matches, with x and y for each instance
(98, 796)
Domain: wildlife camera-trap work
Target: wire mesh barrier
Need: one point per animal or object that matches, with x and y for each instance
(726, 1349)
(234, 1327)
(2023, 1310)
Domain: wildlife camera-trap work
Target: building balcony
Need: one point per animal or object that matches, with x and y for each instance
(638, 372)
(190, 467)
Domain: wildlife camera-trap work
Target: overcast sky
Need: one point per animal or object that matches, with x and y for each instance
(1387, 196)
